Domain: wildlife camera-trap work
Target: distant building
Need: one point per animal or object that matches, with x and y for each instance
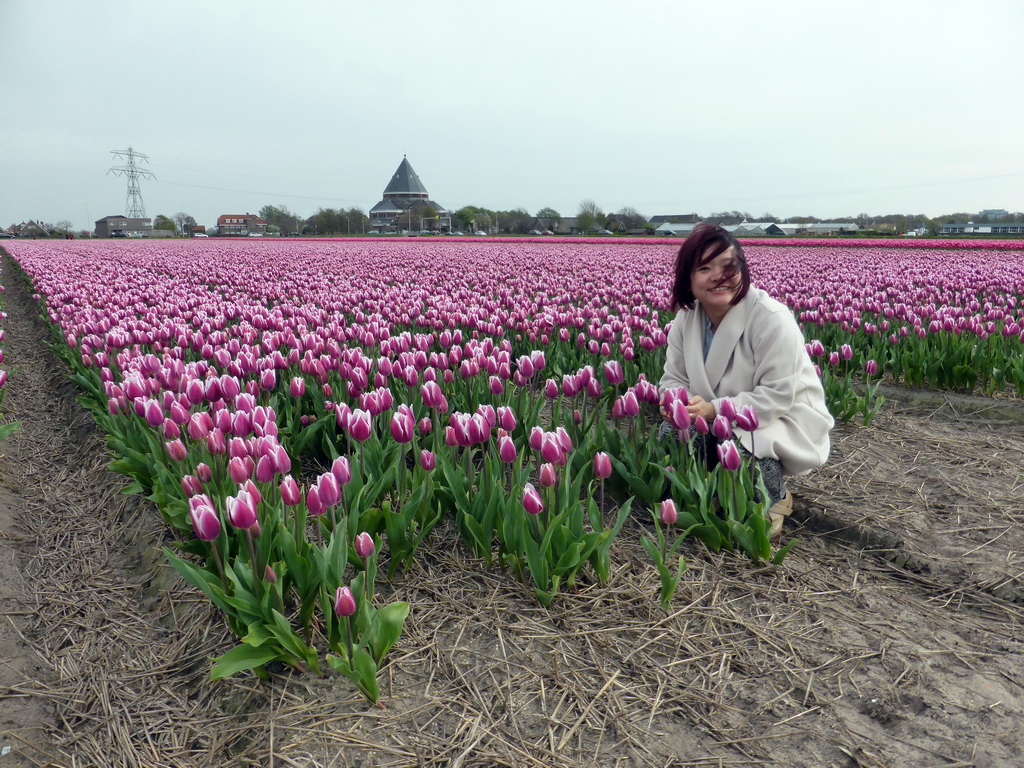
(404, 198)
(970, 228)
(240, 225)
(30, 229)
(122, 226)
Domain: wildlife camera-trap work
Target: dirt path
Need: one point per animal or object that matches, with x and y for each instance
(890, 637)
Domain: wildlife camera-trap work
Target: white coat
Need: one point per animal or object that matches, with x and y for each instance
(757, 358)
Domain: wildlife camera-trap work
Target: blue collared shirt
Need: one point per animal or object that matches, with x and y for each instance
(709, 336)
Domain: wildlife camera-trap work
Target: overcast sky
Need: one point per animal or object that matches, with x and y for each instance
(669, 106)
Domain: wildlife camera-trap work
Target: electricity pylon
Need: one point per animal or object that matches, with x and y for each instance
(134, 205)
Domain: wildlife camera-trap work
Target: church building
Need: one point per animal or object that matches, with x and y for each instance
(407, 205)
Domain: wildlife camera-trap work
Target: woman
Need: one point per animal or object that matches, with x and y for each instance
(732, 340)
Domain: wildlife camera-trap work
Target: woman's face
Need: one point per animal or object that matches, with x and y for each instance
(716, 283)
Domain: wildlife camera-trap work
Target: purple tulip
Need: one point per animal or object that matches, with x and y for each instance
(729, 455)
(506, 449)
(205, 522)
(359, 425)
(727, 409)
(344, 602)
(602, 465)
(613, 373)
(239, 469)
(871, 368)
(532, 502)
(297, 388)
(341, 470)
(176, 450)
(506, 418)
(290, 493)
(747, 419)
(547, 475)
(427, 460)
(679, 415)
(402, 425)
(241, 510)
(846, 352)
(328, 489)
(364, 545)
(721, 428)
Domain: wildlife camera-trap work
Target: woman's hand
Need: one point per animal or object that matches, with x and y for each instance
(698, 406)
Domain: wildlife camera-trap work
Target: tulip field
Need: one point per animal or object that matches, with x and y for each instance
(304, 414)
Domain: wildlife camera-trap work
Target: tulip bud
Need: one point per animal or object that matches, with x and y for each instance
(176, 450)
(669, 514)
(238, 470)
(720, 427)
(701, 425)
(613, 372)
(427, 460)
(747, 419)
(297, 388)
(536, 438)
(359, 425)
(364, 545)
(344, 602)
(729, 455)
(241, 510)
(727, 408)
(506, 418)
(846, 352)
(204, 473)
(341, 470)
(506, 449)
(290, 493)
(602, 465)
(532, 502)
(547, 475)
(205, 523)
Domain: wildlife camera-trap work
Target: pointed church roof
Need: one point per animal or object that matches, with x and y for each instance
(405, 182)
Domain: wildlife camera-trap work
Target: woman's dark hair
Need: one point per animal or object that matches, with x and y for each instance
(704, 244)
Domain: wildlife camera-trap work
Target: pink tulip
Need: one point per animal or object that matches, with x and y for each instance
(341, 470)
(359, 425)
(729, 455)
(191, 486)
(290, 493)
(746, 418)
(727, 409)
(602, 465)
(344, 602)
(427, 460)
(669, 514)
(364, 545)
(846, 352)
(613, 373)
(297, 388)
(176, 450)
(506, 449)
(328, 489)
(871, 367)
(205, 522)
(506, 418)
(402, 427)
(547, 475)
(241, 510)
(532, 502)
(720, 427)
(679, 415)
(536, 438)
(239, 470)
(630, 404)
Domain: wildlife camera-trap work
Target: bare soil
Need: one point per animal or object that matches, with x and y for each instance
(891, 635)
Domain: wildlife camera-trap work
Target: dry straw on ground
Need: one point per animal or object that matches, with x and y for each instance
(839, 657)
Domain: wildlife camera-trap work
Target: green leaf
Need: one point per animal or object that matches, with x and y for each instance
(386, 628)
(241, 658)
